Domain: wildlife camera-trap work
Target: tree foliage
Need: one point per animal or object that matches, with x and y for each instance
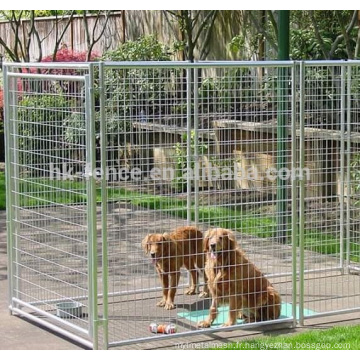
(314, 34)
(195, 28)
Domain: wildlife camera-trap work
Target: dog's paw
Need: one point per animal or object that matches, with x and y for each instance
(203, 324)
(161, 303)
(190, 291)
(203, 295)
(169, 306)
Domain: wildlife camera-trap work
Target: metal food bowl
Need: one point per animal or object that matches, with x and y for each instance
(69, 309)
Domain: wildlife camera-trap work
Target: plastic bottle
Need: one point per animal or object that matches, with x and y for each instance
(162, 328)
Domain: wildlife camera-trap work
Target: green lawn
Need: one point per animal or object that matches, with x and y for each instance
(42, 192)
(263, 226)
(336, 338)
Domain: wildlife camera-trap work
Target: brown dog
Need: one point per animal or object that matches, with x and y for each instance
(234, 280)
(169, 252)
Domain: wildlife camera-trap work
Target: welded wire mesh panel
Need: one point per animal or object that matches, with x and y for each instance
(178, 151)
(145, 111)
(48, 201)
(245, 159)
(329, 155)
(177, 139)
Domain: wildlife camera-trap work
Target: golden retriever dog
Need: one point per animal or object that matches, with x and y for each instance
(169, 252)
(233, 279)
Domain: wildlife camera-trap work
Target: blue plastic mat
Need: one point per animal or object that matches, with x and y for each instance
(199, 315)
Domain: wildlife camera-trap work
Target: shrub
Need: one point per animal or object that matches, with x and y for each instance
(41, 130)
(234, 91)
(179, 183)
(66, 55)
(47, 86)
(75, 127)
(145, 48)
(140, 94)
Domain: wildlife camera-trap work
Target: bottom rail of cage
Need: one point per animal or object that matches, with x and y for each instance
(354, 268)
(331, 313)
(288, 322)
(52, 327)
(47, 315)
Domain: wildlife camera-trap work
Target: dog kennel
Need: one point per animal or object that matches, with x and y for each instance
(98, 155)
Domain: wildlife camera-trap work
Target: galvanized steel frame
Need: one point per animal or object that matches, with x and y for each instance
(297, 186)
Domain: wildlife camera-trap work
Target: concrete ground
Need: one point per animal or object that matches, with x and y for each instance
(20, 334)
(17, 333)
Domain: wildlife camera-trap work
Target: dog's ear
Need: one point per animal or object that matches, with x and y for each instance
(144, 244)
(231, 241)
(206, 242)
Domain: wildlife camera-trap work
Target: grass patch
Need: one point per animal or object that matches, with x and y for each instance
(328, 244)
(337, 338)
(43, 192)
(238, 220)
(321, 242)
(263, 226)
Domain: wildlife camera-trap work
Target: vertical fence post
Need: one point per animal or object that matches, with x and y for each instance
(196, 146)
(91, 205)
(16, 187)
(301, 194)
(342, 164)
(188, 142)
(294, 182)
(9, 185)
(281, 157)
(12, 179)
(348, 164)
(104, 209)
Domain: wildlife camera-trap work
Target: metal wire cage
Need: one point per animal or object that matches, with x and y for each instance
(101, 155)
